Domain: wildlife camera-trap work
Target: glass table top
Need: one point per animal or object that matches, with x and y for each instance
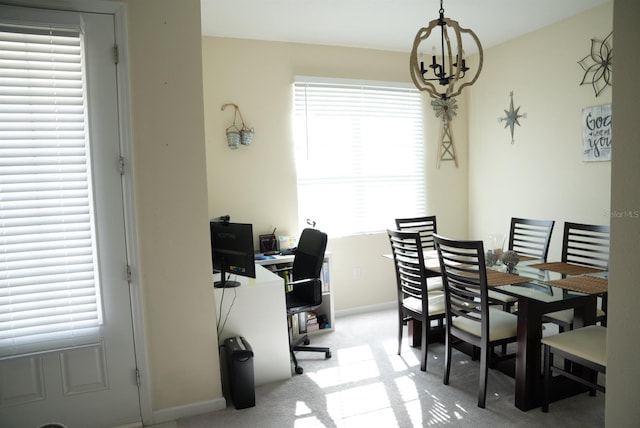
(536, 287)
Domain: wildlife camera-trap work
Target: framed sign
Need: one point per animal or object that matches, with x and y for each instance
(596, 133)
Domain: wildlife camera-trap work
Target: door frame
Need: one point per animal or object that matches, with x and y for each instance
(119, 12)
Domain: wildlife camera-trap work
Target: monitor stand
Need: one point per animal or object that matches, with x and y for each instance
(226, 284)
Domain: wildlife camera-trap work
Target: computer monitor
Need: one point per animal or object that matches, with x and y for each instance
(232, 251)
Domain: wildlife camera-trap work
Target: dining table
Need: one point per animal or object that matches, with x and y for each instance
(540, 288)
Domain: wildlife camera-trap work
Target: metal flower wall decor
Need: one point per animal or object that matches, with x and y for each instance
(598, 64)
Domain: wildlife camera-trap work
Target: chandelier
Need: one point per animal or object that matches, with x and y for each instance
(441, 78)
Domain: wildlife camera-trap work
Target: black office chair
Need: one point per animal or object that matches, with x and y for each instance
(304, 291)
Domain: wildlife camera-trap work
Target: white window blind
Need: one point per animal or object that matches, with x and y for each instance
(49, 295)
(359, 154)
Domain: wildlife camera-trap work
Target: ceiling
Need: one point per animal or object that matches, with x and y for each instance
(379, 24)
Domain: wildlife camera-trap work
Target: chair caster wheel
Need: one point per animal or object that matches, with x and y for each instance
(299, 370)
(327, 354)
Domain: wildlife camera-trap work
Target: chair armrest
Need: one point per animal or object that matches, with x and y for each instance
(304, 292)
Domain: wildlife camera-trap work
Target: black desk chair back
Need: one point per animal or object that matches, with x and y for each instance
(304, 291)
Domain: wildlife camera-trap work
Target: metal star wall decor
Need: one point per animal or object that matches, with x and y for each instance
(598, 64)
(512, 117)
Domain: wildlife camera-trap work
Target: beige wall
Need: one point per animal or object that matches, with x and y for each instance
(171, 202)
(542, 175)
(623, 348)
(257, 184)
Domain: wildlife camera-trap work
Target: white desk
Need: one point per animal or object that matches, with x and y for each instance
(259, 314)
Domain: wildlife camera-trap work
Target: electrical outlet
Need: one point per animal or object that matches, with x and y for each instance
(356, 273)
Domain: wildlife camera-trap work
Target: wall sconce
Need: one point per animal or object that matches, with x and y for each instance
(446, 73)
(238, 136)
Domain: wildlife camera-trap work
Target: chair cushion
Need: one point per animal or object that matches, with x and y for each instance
(434, 283)
(501, 297)
(436, 303)
(502, 325)
(588, 342)
(566, 316)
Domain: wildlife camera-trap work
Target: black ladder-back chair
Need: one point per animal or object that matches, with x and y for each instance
(469, 317)
(585, 245)
(527, 237)
(531, 238)
(426, 226)
(414, 301)
(304, 291)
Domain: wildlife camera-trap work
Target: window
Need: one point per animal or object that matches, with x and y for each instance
(359, 154)
(49, 297)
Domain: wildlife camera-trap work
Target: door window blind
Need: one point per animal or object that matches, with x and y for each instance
(49, 294)
(359, 154)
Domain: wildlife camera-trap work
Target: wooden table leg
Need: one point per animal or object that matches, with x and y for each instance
(528, 354)
(414, 328)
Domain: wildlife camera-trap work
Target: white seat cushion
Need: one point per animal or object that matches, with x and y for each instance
(501, 297)
(436, 303)
(434, 283)
(502, 325)
(588, 342)
(566, 316)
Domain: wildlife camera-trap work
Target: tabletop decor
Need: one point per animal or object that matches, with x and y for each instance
(598, 64)
(512, 117)
(510, 259)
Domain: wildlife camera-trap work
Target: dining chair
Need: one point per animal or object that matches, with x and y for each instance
(585, 245)
(528, 238)
(415, 302)
(586, 346)
(469, 317)
(427, 227)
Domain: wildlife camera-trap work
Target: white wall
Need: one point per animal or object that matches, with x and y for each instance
(171, 199)
(623, 348)
(542, 174)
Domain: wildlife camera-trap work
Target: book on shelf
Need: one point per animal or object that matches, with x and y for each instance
(324, 276)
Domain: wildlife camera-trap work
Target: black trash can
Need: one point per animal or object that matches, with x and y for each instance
(236, 360)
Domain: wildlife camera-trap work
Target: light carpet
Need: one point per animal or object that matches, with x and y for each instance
(367, 385)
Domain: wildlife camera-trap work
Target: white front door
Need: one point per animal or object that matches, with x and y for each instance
(90, 383)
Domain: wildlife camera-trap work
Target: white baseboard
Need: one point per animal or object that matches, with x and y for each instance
(192, 409)
(365, 309)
